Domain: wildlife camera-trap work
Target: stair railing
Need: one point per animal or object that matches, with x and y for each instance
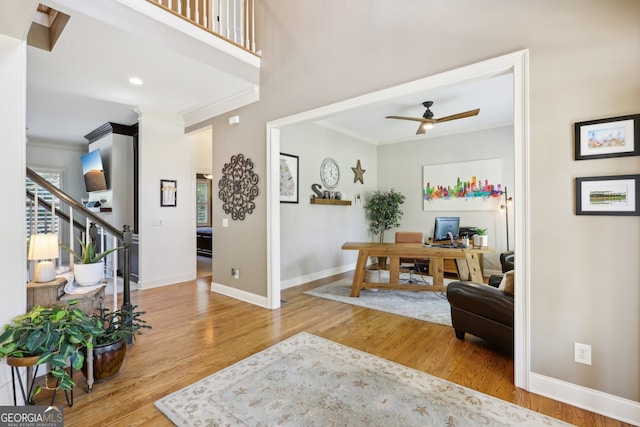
(120, 237)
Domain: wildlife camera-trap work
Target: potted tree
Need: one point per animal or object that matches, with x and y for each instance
(384, 213)
(110, 348)
(50, 335)
(89, 268)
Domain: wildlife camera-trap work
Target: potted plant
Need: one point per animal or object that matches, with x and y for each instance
(480, 239)
(50, 335)
(109, 350)
(384, 212)
(89, 268)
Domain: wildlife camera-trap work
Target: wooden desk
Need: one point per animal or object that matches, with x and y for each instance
(466, 259)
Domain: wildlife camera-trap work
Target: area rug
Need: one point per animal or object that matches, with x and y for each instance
(310, 381)
(428, 306)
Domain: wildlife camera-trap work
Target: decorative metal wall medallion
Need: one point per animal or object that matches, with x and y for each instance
(238, 187)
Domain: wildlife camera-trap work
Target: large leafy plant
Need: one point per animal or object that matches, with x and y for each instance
(119, 324)
(384, 211)
(88, 253)
(56, 334)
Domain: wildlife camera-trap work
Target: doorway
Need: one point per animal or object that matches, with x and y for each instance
(515, 63)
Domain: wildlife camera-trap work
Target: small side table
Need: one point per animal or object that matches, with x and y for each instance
(27, 390)
(45, 294)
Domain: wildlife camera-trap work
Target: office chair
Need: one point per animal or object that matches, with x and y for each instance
(412, 264)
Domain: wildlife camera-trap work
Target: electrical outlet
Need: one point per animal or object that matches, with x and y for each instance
(235, 273)
(582, 353)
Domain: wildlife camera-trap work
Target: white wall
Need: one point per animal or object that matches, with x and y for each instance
(371, 47)
(65, 157)
(167, 234)
(401, 167)
(311, 235)
(13, 251)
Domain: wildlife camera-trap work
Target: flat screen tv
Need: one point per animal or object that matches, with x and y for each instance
(93, 171)
(444, 225)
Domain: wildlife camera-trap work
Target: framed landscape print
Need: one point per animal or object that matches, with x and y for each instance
(289, 178)
(608, 195)
(613, 137)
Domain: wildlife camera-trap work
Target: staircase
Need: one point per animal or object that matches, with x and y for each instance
(83, 224)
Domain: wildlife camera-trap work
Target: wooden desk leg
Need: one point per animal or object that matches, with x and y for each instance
(475, 271)
(89, 361)
(463, 268)
(436, 267)
(359, 274)
(394, 270)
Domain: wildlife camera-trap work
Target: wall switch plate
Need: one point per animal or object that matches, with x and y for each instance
(582, 353)
(225, 222)
(235, 273)
(156, 222)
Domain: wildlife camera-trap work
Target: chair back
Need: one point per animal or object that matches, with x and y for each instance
(409, 237)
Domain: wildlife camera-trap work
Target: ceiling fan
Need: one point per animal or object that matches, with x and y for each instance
(427, 121)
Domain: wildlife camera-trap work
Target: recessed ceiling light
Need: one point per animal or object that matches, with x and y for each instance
(135, 81)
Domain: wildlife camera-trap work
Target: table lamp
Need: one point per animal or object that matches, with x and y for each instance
(43, 248)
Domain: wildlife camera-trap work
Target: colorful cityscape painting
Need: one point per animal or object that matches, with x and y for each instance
(474, 185)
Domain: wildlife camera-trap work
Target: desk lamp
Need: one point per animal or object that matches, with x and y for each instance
(43, 248)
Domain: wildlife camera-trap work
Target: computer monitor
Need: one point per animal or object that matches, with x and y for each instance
(444, 225)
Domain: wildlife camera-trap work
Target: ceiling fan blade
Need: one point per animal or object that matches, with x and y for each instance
(421, 129)
(415, 119)
(458, 116)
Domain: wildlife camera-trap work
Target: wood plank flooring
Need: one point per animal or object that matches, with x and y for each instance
(196, 333)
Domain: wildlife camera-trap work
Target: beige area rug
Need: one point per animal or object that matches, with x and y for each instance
(428, 306)
(310, 381)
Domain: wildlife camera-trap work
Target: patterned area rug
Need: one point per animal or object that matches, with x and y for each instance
(428, 306)
(308, 380)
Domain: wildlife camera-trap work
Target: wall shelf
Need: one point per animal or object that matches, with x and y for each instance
(317, 201)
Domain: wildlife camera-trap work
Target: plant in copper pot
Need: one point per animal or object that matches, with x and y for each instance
(120, 328)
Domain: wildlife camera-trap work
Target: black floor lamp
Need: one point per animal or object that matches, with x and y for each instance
(507, 201)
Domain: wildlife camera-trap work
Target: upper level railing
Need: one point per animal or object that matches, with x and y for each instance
(233, 20)
(75, 209)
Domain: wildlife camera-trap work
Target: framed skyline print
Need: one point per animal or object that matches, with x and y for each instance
(289, 178)
(604, 138)
(608, 195)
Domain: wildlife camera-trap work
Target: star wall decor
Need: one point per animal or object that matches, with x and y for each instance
(359, 172)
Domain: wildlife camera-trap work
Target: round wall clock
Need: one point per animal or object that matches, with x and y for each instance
(330, 173)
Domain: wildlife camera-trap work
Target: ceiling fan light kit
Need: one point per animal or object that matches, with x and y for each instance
(427, 121)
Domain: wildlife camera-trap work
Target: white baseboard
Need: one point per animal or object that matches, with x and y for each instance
(239, 294)
(289, 283)
(586, 398)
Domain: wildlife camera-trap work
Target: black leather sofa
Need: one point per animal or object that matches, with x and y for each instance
(482, 310)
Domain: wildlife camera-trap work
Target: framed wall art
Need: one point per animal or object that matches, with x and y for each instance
(608, 195)
(474, 185)
(613, 137)
(168, 192)
(289, 178)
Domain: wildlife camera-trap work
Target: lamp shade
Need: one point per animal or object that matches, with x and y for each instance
(43, 246)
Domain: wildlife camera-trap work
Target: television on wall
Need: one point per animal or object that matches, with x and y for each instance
(93, 171)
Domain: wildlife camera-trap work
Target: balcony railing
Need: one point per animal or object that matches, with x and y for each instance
(233, 20)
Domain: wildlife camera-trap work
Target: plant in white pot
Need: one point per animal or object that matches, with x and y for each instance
(88, 271)
(480, 239)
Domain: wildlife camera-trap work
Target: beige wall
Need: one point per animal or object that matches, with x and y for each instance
(584, 62)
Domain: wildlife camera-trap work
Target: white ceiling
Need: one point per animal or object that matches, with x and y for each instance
(494, 98)
(83, 83)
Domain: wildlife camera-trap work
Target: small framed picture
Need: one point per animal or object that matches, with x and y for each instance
(613, 137)
(289, 178)
(168, 192)
(608, 195)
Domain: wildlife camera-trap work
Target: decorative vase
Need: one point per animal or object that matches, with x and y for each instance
(88, 274)
(480, 241)
(107, 359)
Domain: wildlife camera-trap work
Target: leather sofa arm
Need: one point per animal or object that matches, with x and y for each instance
(483, 300)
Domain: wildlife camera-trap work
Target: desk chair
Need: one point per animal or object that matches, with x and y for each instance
(412, 264)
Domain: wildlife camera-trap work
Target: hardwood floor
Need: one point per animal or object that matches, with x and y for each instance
(196, 333)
